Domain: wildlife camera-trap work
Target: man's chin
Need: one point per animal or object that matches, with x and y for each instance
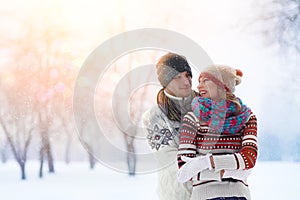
(187, 94)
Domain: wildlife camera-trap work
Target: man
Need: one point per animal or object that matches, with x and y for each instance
(163, 123)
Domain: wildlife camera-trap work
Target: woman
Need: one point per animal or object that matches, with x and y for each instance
(220, 134)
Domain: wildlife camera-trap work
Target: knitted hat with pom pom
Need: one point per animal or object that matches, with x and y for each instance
(224, 76)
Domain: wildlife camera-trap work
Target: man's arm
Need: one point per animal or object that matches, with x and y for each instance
(159, 133)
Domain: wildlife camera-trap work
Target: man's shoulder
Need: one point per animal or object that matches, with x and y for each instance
(155, 110)
(153, 114)
(161, 131)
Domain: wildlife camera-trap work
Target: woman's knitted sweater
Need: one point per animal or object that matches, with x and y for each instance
(230, 151)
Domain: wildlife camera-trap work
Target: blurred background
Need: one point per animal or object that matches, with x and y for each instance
(43, 45)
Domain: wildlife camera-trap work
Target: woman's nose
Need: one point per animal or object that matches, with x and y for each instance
(200, 85)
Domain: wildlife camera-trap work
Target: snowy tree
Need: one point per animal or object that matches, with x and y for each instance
(54, 107)
(130, 99)
(38, 59)
(18, 119)
(85, 129)
(281, 22)
(278, 22)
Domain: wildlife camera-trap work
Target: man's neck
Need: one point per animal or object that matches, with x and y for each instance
(176, 98)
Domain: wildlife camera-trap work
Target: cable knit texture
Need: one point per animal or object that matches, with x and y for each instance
(163, 138)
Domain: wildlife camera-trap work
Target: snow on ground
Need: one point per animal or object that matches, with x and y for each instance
(269, 180)
(275, 180)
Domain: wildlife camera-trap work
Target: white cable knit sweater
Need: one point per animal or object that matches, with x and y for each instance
(163, 138)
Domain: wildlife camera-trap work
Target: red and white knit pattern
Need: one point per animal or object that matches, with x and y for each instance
(230, 151)
(198, 139)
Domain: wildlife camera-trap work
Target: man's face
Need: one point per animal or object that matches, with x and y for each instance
(181, 85)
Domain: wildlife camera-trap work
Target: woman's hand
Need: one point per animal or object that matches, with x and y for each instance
(193, 166)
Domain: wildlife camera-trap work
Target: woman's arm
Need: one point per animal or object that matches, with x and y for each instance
(194, 165)
(188, 132)
(246, 157)
(187, 147)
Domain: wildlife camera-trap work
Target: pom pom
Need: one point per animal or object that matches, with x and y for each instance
(239, 73)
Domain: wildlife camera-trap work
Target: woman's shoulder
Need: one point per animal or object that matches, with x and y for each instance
(190, 116)
(252, 117)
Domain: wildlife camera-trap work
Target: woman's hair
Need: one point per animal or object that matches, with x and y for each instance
(231, 97)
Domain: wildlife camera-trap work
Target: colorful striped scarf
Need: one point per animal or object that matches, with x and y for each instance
(221, 116)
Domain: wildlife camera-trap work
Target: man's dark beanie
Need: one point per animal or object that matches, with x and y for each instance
(169, 66)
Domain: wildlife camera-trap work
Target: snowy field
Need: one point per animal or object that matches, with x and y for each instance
(269, 180)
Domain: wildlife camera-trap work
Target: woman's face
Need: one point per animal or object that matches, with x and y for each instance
(207, 88)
